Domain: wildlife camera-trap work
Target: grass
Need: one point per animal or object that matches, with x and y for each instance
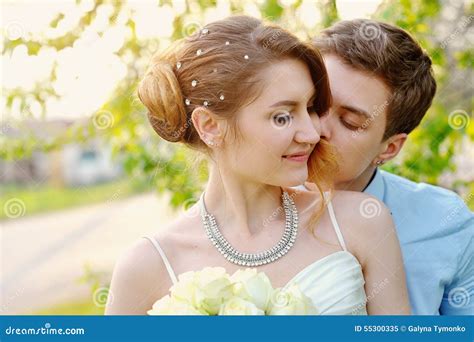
(16, 200)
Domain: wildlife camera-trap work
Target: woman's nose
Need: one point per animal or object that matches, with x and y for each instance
(310, 131)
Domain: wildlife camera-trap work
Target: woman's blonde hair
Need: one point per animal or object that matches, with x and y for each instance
(218, 68)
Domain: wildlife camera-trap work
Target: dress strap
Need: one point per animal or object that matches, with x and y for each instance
(332, 215)
(165, 259)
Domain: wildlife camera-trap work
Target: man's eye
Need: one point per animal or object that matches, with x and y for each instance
(349, 125)
(282, 119)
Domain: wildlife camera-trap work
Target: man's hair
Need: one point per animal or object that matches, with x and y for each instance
(391, 54)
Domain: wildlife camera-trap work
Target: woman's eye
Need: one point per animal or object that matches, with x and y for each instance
(282, 119)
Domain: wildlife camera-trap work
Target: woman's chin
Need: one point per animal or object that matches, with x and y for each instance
(296, 179)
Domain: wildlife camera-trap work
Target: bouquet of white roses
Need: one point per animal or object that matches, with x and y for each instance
(212, 291)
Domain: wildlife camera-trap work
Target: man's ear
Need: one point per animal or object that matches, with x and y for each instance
(207, 125)
(393, 145)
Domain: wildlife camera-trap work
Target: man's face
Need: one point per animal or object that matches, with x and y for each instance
(355, 123)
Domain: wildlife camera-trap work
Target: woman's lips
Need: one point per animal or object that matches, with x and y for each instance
(297, 157)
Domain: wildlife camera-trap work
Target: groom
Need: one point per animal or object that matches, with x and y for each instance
(382, 85)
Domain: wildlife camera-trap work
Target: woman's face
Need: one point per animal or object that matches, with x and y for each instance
(277, 132)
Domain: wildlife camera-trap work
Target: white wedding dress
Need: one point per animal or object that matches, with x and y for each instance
(334, 283)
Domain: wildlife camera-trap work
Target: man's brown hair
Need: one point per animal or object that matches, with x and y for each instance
(391, 54)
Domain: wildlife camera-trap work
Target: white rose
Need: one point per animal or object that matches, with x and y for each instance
(185, 288)
(252, 286)
(206, 290)
(291, 301)
(172, 306)
(238, 306)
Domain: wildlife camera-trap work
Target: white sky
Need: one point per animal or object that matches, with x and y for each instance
(88, 72)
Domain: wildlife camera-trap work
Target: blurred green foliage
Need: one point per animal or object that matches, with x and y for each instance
(431, 147)
(172, 168)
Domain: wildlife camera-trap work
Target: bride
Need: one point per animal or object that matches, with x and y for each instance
(248, 95)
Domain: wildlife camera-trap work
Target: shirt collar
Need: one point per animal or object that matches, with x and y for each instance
(376, 187)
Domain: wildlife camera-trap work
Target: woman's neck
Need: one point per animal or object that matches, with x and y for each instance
(240, 204)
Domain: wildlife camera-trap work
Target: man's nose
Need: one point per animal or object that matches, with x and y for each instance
(325, 121)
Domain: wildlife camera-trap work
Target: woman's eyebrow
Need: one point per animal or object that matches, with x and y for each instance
(284, 103)
(290, 102)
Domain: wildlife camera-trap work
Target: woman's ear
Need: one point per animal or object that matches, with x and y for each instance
(207, 125)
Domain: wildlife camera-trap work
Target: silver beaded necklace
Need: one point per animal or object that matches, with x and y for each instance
(253, 259)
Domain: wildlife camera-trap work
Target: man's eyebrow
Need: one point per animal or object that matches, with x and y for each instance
(356, 110)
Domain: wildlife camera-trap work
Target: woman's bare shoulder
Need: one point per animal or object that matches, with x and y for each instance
(363, 219)
(360, 207)
(172, 239)
(140, 276)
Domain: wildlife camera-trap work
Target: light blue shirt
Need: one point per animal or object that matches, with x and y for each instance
(436, 230)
